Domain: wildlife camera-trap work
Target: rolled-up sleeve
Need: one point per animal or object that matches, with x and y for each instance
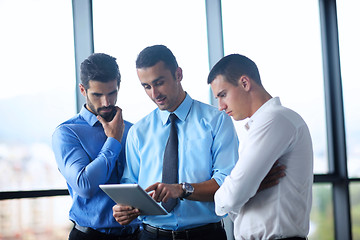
(224, 148)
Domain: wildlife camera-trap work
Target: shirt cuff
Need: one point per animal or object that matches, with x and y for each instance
(219, 209)
(114, 145)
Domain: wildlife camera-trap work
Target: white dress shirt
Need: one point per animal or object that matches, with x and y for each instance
(273, 133)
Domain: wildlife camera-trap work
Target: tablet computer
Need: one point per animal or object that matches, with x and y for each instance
(133, 195)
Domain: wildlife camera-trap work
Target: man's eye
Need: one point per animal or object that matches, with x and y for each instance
(159, 83)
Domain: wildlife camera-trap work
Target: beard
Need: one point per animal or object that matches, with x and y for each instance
(107, 116)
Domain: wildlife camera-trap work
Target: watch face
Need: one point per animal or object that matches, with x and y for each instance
(189, 187)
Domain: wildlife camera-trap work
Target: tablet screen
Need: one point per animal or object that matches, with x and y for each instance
(133, 195)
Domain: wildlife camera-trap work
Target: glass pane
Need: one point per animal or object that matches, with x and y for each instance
(349, 38)
(37, 90)
(123, 28)
(36, 218)
(355, 209)
(286, 47)
(322, 218)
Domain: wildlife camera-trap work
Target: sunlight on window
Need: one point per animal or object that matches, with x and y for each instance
(349, 38)
(123, 28)
(38, 80)
(286, 47)
(37, 93)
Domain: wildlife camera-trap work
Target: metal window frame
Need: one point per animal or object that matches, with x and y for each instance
(215, 36)
(336, 139)
(83, 40)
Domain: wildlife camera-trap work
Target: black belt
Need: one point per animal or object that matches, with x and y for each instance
(101, 235)
(187, 233)
(86, 230)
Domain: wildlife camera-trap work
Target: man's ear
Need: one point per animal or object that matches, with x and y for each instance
(82, 90)
(244, 82)
(178, 74)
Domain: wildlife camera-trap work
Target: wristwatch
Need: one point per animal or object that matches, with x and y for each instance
(188, 190)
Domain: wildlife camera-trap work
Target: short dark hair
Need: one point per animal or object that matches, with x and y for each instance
(99, 67)
(232, 67)
(154, 54)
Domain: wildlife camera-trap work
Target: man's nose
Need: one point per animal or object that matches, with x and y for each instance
(154, 92)
(222, 105)
(105, 101)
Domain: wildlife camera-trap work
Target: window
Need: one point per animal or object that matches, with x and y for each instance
(355, 209)
(37, 86)
(35, 218)
(37, 94)
(349, 37)
(286, 48)
(123, 28)
(322, 218)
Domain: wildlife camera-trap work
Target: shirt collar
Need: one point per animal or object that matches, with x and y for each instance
(88, 116)
(181, 112)
(271, 102)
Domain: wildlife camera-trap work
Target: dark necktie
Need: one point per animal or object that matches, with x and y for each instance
(170, 162)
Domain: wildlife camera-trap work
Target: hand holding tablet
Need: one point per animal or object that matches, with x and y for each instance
(133, 195)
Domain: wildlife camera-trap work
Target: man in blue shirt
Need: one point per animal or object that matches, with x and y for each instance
(90, 150)
(207, 152)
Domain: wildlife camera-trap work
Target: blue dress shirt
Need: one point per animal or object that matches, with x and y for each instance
(86, 157)
(208, 148)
